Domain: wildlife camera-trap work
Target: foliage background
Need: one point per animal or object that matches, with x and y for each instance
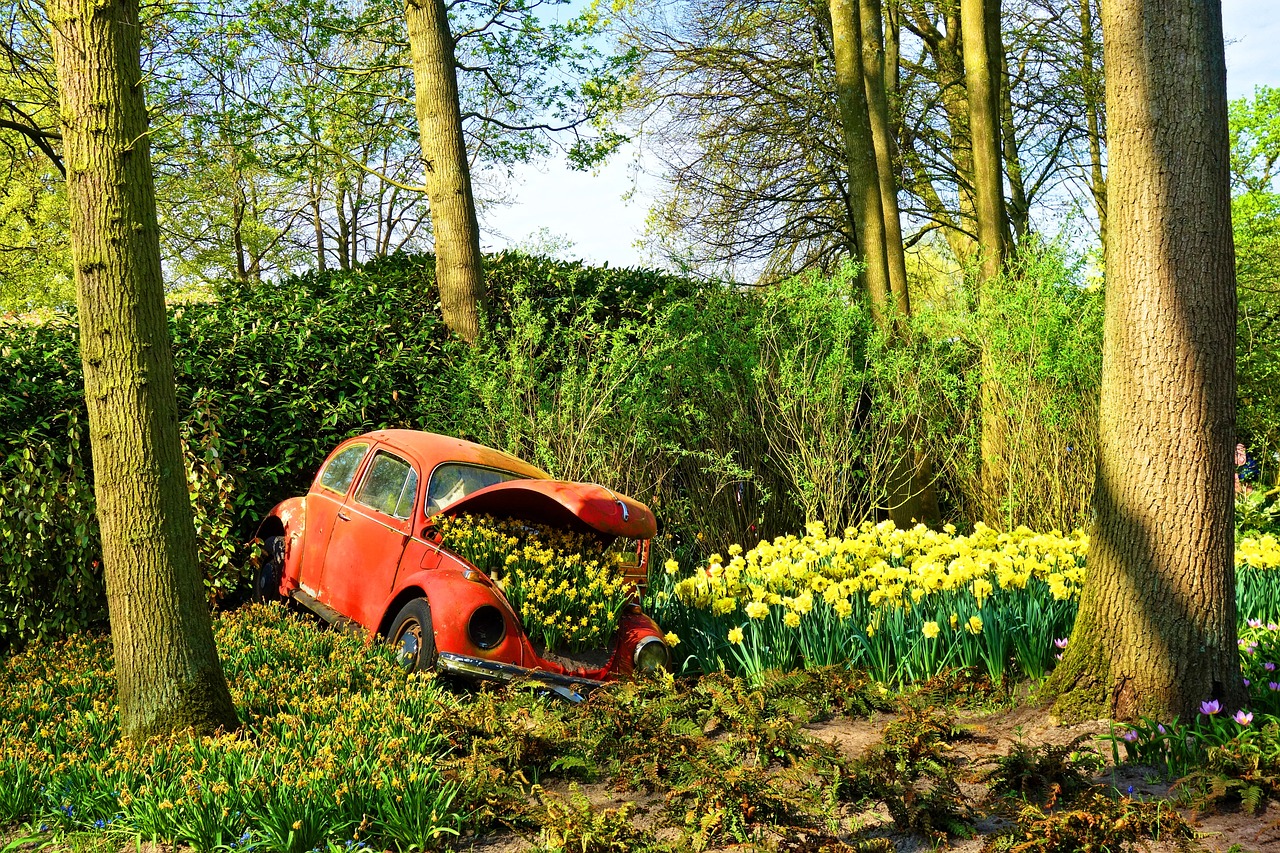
(737, 413)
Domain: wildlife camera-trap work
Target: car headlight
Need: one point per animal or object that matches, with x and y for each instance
(651, 655)
(486, 628)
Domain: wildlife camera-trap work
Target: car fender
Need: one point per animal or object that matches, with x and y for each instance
(288, 519)
(455, 593)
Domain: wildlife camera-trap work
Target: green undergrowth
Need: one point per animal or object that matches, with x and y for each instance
(340, 750)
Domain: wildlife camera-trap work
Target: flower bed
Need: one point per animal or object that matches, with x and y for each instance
(905, 604)
(568, 588)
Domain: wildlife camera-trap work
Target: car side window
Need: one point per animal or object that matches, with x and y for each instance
(453, 481)
(341, 470)
(389, 486)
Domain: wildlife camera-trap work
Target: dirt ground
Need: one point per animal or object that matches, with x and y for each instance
(992, 734)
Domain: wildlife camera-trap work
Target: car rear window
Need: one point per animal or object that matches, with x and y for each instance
(389, 486)
(341, 470)
(453, 481)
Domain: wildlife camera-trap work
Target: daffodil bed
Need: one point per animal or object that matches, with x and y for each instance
(904, 604)
(567, 587)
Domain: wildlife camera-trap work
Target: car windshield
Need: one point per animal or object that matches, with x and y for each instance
(453, 481)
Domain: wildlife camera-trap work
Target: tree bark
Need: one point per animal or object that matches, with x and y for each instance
(983, 89)
(1018, 208)
(459, 264)
(860, 155)
(166, 665)
(1156, 633)
(982, 86)
(874, 74)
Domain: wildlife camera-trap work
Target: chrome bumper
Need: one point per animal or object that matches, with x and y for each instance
(571, 687)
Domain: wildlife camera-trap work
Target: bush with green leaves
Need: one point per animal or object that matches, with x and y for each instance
(270, 377)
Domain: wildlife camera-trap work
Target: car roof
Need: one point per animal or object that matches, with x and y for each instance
(431, 449)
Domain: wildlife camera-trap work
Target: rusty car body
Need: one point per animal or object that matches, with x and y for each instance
(361, 549)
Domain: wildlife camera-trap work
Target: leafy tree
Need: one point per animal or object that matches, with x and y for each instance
(1255, 213)
(1156, 632)
(35, 261)
(166, 664)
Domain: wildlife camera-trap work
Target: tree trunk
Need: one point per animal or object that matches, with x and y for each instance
(873, 72)
(1157, 628)
(459, 264)
(912, 496)
(982, 87)
(1019, 210)
(1092, 117)
(860, 155)
(237, 230)
(343, 238)
(167, 670)
(318, 224)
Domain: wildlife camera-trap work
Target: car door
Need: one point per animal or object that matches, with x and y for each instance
(324, 502)
(369, 536)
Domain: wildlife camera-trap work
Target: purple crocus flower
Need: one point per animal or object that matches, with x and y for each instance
(1129, 736)
(1255, 623)
(1244, 718)
(1211, 707)
(1061, 642)
(1272, 685)
(1246, 682)
(1269, 667)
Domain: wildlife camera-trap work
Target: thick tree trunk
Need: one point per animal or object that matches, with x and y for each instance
(860, 155)
(166, 665)
(459, 264)
(1157, 628)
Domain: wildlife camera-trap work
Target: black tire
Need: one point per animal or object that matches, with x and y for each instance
(266, 581)
(412, 636)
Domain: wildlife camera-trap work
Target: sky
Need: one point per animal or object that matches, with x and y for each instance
(599, 217)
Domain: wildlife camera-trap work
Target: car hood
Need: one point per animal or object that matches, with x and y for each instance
(581, 506)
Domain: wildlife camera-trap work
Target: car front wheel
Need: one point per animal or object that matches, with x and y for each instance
(266, 581)
(412, 637)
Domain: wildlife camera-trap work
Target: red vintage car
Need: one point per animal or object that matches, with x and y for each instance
(361, 549)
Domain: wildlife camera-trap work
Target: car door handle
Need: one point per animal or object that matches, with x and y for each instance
(342, 516)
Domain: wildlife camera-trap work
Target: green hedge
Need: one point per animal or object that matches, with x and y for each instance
(270, 377)
(737, 413)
